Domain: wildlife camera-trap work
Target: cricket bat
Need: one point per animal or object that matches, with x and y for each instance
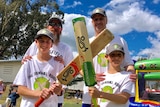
(73, 68)
(85, 53)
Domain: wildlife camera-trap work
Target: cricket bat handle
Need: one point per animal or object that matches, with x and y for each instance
(39, 102)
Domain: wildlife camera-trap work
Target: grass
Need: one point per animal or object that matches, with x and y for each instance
(67, 102)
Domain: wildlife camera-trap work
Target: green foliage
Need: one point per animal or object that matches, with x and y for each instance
(19, 22)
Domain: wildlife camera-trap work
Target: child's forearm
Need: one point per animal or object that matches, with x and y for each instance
(117, 98)
(24, 91)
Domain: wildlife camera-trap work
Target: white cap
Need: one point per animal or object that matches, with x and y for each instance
(45, 32)
(56, 16)
(114, 47)
(98, 11)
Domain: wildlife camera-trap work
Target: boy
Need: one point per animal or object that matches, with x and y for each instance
(60, 51)
(37, 77)
(115, 90)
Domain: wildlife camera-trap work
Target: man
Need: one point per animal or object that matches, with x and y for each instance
(99, 21)
(61, 51)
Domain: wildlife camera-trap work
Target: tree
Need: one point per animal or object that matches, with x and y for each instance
(19, 22)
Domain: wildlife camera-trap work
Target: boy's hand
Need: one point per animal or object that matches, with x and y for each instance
(94, 92)
(100, 77)
(45, 93)
(56, 88)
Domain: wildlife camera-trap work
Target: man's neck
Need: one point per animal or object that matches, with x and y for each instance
(97, 32)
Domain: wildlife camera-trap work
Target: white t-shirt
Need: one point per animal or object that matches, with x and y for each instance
(114, 84)
(101, 64)
(36, 75)
(62, 50)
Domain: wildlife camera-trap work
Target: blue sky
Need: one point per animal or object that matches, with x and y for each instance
(137, 21)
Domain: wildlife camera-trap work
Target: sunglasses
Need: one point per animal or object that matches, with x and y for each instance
(55, 24)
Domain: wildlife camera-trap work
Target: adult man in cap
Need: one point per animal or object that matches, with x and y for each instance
(61, 51)
(99, 21)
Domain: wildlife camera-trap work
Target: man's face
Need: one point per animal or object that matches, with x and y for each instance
(55, 26)
(99, 22)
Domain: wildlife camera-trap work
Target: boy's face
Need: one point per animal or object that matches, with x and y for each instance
(44, 44)
(115, 58)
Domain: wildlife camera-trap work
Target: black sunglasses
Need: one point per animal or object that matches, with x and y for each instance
(55, 24)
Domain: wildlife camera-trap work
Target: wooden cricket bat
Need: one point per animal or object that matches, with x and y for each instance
(85, 53)
(73, 68)
(84, 49)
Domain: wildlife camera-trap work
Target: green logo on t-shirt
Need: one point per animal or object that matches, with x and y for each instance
(41, 83)
(102, 61)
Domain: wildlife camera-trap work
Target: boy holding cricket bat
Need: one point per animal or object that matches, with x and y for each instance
(115, 90)
(37, 77)
(59, 50)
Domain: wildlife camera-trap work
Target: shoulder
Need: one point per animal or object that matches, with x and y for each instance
(64, 45)
(125, 73)
(34, 58)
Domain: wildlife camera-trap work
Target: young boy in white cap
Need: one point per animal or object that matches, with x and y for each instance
(37, 77)
(115, 90)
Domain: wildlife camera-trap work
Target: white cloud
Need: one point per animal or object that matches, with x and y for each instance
(132, 18)
(154, 51)
(75, 3)
(156, 1)
(68, 33)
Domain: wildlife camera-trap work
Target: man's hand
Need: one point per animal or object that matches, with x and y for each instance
(100, 77)
(26, 58)
(133, 77)
(59, 59)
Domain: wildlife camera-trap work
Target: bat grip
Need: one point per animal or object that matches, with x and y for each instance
(38, 102)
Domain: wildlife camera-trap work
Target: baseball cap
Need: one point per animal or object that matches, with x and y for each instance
(98, 11)
(56, 16)
(114, 47)
(45, 32)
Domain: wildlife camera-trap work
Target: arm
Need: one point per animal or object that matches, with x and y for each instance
(128, 63)
(24, 91)
(121, 98)
(32, 50)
